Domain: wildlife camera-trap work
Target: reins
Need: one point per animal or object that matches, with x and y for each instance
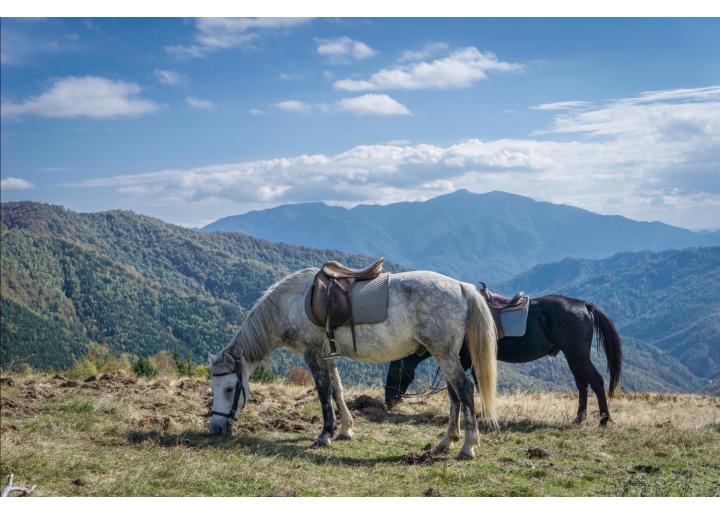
(434, 387)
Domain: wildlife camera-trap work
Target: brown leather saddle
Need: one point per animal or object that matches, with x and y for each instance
(499, 304)
(331, 297)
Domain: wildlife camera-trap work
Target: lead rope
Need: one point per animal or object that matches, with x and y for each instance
(434, 385)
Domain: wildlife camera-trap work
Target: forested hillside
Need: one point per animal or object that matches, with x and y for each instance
(128, 281)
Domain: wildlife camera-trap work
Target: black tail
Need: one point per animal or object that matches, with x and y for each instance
(608, 336)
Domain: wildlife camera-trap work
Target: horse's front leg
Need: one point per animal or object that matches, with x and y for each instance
(319, 368)
(346, 421)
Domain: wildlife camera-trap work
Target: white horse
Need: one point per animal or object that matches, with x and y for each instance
(426, 312)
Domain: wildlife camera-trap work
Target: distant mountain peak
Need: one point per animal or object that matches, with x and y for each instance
(494, 235)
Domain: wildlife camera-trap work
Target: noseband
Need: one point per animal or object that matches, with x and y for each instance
(236, 399)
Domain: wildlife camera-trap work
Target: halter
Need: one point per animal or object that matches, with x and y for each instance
(236, 399)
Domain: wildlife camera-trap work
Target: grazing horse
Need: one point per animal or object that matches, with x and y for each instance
(555, 324)
(427, 312)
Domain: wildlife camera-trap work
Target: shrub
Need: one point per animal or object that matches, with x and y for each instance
(84, 368)
(164, 364)
(184, 365)
(114, 364)
(262, 374)
(143, 367)
(299, 376)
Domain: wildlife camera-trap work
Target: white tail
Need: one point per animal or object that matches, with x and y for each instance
(482, 344)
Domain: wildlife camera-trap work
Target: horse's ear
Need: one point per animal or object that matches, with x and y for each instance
(211, 358)
(229, 361)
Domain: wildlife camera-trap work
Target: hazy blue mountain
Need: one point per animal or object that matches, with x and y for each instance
(668, 299)
(490, 237)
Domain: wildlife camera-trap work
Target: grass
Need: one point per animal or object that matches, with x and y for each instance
(122, 436)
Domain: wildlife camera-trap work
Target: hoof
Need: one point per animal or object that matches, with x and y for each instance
(604, 420)
(578, 421)
(439, 449)
(466, 454)
(322, 441)
(346, 436)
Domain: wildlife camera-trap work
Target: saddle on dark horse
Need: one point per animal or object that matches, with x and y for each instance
(329, 302)
(510, 313)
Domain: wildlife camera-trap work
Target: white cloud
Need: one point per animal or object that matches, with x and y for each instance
(429, 50)
(647, 157)
(92, 97)
(459, 69)
(171, 78)
(343, 48)
(660, 115)
(398, 142)
(294, 106)
(373, 105)
(257, 112)
(562, 106)
(10, 183)
(199, 103)
(214, 34)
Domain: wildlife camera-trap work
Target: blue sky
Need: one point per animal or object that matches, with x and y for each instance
(190, 120)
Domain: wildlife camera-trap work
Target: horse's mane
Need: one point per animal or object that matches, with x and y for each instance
(253, 340)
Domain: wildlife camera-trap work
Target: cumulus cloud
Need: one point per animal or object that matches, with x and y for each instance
(257, 112)
(342, 49)
(294, 106)
(214, 34)
(429, 50)
(11, 183)
(199, 103)
(171, 78)
(656, 159)
(461, 68)
(91, 97)
(373, 105)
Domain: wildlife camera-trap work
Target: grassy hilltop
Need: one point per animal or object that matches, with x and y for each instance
(119, 435)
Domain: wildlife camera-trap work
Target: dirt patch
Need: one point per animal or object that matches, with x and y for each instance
(429, 492)
(644, 468)
(11, 407)
(537, 453)
(364, 401)
(419, 459)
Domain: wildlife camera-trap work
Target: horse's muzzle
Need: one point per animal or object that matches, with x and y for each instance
(220, 426)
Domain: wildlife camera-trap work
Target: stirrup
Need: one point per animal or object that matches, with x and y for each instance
(329, 353)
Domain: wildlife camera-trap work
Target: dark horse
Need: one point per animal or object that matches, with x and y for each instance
(555, 324)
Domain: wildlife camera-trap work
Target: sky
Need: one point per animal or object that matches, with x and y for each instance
(190, 120)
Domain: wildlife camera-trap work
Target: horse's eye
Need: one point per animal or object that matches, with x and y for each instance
(228, 389)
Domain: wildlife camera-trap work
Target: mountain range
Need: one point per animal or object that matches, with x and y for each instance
(490, 237)
(137, 284)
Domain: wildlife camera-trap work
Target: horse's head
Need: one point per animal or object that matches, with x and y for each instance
(230, 390)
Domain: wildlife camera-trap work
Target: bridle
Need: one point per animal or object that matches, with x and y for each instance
(236, 399)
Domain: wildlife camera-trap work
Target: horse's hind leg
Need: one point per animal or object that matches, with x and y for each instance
(453, 432)
(585, 373)
(346, 421)
(581, 381)
(319, 368)
(598, 386)
(463, 387)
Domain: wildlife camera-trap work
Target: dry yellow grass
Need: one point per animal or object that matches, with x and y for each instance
(118, 435)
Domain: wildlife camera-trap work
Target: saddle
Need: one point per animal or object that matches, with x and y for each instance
(499, 304)
(331, 296)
